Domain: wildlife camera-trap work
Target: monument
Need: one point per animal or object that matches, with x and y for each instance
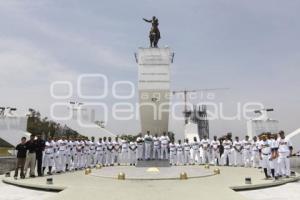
(154, 84)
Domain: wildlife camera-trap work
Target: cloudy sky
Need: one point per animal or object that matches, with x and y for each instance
(251, 47)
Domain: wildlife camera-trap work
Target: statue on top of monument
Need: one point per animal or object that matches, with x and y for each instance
(154, 34)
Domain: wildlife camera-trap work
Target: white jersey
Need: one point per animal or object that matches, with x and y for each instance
(49, 148)
(196, 146)
(156, 142)
(139, 141)
(237, 145)
(172, 147)
(247, 144)
(179, 147)
(92, 146)
(99, 147)
(117, 146)
(205, 143)
(274, 144)
(215, 144)
(62, 145)
(164, 141)
(148, 139)
(284, 145)
(109, 146)
(255, 145)
(132, 146)
(187, 146)
(265, 147)
(227, 144)
(125, 146)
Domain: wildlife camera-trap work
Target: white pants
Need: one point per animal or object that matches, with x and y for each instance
(48, 160)
(147, 150)
(99, 157)
(76, 160)
(180, 158)
(237, 158)
(284, 164)
(205, 158)
(265, 162)
(226, 154)
(109, 158)
(255, 159)
(116, 157)
(62, 161)
(246, 157)
(132, 157)
(156, 151)
(196, 153)
(124, 156)
(187, 157)
(215, 156)
(140, 152)
(173, 159)
(68, 159)
(164, 152)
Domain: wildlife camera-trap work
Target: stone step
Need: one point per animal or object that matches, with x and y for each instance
(153, 163)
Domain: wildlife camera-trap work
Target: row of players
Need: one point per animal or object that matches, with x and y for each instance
(270, 152)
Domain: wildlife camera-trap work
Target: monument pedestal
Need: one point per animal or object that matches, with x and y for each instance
(154, 88)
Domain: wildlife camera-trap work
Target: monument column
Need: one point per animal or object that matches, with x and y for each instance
(154, 88)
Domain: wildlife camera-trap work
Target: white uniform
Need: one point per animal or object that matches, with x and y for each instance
(173, 156)
(255, 154)
(156, 148)
(132, 153)
(116, 152)
(237, 154)
(164, 147)
(196, 153)
(148, 143)
(180, 154)
(205, 150)
(82, 160)
(187, 153)
(265, 148)
(62, 155)
(77, 154)
(48, 159)
(104, 152)
(109, 153)
(99, 153)
(140, 148)
(215, 153)
(274, 148)
(247, 153)
(227, 144)
(284, 146)
(125, 152)
(69, 154)
(56, 155)
(92, 158)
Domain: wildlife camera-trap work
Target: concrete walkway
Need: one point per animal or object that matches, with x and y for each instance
(80, 186)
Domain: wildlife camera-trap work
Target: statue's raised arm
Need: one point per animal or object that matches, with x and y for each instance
(154, 34)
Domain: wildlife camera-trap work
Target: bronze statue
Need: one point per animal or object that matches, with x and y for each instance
(154, 34)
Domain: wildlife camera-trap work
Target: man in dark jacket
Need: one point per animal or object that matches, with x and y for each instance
(31, 156)
(40, 147)
(21, 158)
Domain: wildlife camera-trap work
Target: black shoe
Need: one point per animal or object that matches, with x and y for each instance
(15, 177)
(22, 177)
(32, 176)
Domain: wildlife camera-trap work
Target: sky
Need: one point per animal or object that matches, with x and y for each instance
(251, 47)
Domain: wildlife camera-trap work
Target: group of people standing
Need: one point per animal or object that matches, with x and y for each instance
(58, 155)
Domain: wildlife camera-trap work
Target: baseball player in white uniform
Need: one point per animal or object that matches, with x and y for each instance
(187, 152)
(255, 152)
(173, 152)
(48, 159)
(227, 144)
(132, 153)
(247, 151)
(156, 147)
(205, 149)
(99, 152)
(237, 154)
(124, 152)
(265, 155)
(215, 151)
(117, 151)
(196, 152)
(164, 140)
(148, 143)
(180, 154)
(62, 154)
(109, 152)
(140, 147)
(284, 152)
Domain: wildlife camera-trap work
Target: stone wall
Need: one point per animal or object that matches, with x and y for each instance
(7, 164)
